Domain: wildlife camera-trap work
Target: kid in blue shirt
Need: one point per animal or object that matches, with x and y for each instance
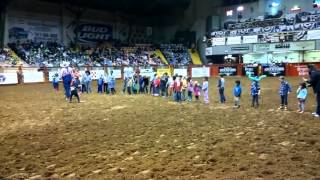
(100, 84)
(284, 90)
(255, 92)
(237, 91)
(302, 94)
(55, 82)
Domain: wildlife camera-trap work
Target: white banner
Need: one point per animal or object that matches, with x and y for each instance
(287, 46)
(201, 72)
(209, 51)
(313, 34)
(128, 72)
(250, 39)
(181, 72)
(33, 77)
(116, 72)
(147, 72)
(234, 40)
(33, 27)
(51, 74)
(8, 78)
(96, 74)
(218, 41)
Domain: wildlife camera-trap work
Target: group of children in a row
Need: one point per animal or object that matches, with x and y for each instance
(284, 91)
(180, 88)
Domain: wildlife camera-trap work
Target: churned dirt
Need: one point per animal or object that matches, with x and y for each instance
(144, 137)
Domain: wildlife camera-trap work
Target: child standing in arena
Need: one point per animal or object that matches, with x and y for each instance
(284, 90)
(184, 89)
(75, 84)
(302, 94)
(55, 82)
(88, 82)
(177, 87)
(145, 84)
(196, 90)
(237, 94)
(205, 89)
(111, 83)
(190, 88)
(220, 86)
(255, 92)
(100, 84)
(129, 85)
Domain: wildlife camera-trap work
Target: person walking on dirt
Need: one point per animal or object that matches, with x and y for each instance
(66, 75)
(314, 82)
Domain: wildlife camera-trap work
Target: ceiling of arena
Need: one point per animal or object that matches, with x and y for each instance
(138, 7)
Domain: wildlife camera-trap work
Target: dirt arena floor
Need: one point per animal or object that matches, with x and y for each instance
(143, 137)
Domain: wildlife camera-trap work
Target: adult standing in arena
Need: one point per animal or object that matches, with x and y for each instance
(314, 82)
(66, 76)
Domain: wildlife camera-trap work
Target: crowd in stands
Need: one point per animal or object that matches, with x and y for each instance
(7, 57)
(51, 54)
(176, 54)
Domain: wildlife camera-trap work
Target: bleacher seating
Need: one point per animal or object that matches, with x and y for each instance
(52, 54)
(176, 54)
(293, 25)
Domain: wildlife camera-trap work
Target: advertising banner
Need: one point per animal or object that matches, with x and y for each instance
(228, 70)
(234, 40)
(201, 72)
(160, 72)
(33, 77)
(51, 74)
(274, 70)
(116, 73)
(22, 28)
(181, 72)
(250, 69)
(288, 46)
(89, 33)
(302, 70)
(96, 74)
(313, 34)
(8, 78)
(250, 39)
(218, 41)
(128, 72)
(147, 72)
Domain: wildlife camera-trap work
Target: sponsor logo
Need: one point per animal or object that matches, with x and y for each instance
(285, 45)
(228, 70)
(274, 70)
(94, 32)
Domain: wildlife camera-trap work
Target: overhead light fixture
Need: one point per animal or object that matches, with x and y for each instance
(296, 8)
(274, 4)
(240, 8)
(229, 13)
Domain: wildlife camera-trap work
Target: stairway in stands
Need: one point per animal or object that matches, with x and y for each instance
(161, 56)
(195, 57)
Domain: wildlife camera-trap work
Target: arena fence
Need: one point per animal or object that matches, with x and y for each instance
(20, 75)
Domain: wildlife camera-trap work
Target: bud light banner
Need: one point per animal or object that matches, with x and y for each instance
(274, 70)
(250, 69)
(228, 70)
(89, 33)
